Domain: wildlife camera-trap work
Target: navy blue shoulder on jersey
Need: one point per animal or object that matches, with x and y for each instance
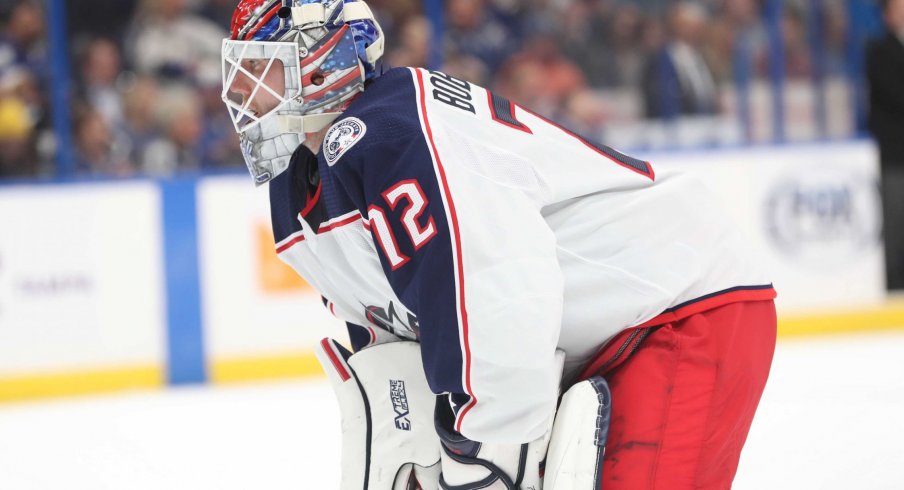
(394, 151)
(291, 191)
(306, 188)
(333, 196)
(388, 109)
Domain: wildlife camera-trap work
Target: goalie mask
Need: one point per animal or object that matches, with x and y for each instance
(291, 67)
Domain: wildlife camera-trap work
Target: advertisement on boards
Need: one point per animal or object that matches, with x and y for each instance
(811, 213)
(80, 278)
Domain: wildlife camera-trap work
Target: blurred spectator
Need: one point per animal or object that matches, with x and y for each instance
(24, 33)
(585, 114)
(85, 19)
(626, 40)
(718, 50)
(23, 70)
(394, 13)
(97, 151)
(413, 43)
(539, 77)
(100, 70)
(168, 41)
(467, 68)
(798, 62)
(582, 62)
(523, 82)
(218, 11)
(17, 157)
(178, 147)
(218, 145)
(677, 80)
(584, 27)
(606, 41)
(475, 29)
(653, 35)
(836, 38)
(885, 71)
(140, 100)
(744, 19)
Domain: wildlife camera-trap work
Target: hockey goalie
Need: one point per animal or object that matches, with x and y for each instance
(526, 308)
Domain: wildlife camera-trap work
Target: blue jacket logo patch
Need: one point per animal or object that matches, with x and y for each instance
(341, 137)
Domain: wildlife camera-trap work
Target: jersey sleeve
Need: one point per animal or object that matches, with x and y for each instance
(475, 261)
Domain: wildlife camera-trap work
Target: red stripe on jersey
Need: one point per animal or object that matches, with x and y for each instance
(289, 244)
(720, 299)
(340, 224)
(340, 367)
(457, 243)
(765, 293)
(323, 229)
(312, 201)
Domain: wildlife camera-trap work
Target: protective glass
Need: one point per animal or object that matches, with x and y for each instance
(259, 79)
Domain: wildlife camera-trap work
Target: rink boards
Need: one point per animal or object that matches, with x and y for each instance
(142, 283)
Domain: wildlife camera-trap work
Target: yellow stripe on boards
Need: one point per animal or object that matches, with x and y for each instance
(304, 364)
(35, 386)
(887, 317)
(235, 370)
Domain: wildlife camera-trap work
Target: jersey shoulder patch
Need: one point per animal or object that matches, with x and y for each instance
(342, 137)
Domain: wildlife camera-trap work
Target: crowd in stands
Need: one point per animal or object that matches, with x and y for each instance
(146, 76)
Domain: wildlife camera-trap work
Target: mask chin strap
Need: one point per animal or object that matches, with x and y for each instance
(306, 124)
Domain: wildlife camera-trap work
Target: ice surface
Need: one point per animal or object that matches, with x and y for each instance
(832, 417)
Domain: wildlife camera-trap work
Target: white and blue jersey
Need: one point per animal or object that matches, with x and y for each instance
(439, 212)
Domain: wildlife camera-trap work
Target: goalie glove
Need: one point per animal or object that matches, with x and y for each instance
(471, 465)
(388, 441)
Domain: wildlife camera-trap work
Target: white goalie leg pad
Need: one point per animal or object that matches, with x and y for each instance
(579, 434)
(388, 439)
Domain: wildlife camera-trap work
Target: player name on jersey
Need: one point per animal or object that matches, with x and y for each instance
(452, 91)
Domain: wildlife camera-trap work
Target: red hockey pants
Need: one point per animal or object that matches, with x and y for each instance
(683, 397)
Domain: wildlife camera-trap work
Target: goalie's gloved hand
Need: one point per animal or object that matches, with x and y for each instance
(388, 441)
(470, 465)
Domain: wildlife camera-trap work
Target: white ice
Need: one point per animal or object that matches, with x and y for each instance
(832, 417)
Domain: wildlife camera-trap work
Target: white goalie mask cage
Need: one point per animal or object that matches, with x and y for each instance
(255, 66)
(256, 95)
